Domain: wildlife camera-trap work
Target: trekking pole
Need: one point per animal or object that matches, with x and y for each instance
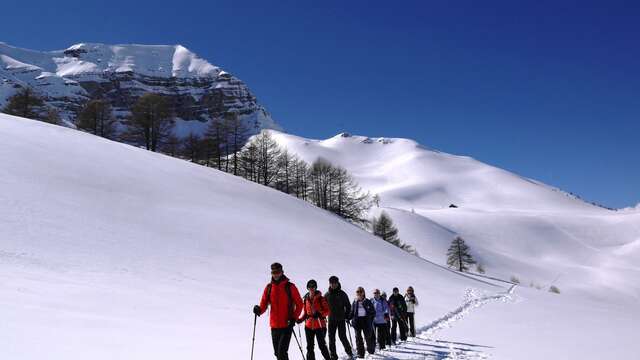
(349, 330)
(298, 342)
(253, 341)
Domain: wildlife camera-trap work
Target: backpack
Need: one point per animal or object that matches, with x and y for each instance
(287, 289)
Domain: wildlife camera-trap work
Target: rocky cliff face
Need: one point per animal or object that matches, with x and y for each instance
(67, 79)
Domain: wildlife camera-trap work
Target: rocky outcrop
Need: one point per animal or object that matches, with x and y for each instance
(67, 79)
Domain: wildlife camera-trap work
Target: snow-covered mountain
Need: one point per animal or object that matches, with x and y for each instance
(110, 252)
(515, 226)
(66, 79)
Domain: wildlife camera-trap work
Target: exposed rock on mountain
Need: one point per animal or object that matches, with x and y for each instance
(67, 79)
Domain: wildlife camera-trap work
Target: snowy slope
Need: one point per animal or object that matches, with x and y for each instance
(112, 252)
(514, 225)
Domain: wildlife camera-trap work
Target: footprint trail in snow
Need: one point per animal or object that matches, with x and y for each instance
(427, 346)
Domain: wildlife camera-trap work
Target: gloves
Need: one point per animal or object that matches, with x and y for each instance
(317, 315)
(291, 323)
(300, 321)
(257, 310)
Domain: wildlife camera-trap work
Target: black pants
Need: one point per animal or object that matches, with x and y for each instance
(381, 332)
(395, 323)
(388, 332)
(312, 335)
(281, 339)
(363, 327)
(339, 325)
(412, 324)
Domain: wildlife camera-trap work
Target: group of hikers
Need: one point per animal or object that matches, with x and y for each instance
(372, 319)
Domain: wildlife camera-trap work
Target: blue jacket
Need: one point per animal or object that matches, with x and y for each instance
(382, 310)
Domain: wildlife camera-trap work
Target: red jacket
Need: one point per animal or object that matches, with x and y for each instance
(313, 303)
(283, 309)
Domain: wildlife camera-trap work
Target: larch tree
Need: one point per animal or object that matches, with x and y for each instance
(384, 228)
(216, 136)
(97, 118)
(236, 138)
(151, 121)
(25, 103)
(458, 255)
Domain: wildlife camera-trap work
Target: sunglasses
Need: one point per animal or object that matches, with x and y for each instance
(359, 292)
(276, 272)
(376, 293)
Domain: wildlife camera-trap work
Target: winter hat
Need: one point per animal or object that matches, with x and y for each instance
(276, 267)
(333, 279)
(312, 284)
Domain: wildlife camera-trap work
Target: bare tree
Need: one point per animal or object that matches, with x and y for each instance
(192, 147)
(25, 103)
(97, 118)
(236, 138)
(151, 121)
(216, 136)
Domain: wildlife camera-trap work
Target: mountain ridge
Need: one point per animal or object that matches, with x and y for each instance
(67, 79)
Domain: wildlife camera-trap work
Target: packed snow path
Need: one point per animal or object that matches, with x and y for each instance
(426, 346)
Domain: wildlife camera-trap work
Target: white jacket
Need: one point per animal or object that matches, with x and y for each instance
(411, 306)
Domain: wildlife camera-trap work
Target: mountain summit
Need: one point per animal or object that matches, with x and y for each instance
(67, 79)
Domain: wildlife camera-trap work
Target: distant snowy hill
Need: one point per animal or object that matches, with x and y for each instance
(514, 225)
(121, 73)
(111, 252)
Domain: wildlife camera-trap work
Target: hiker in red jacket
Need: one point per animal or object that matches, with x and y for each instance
(316, 309)
(286, 306)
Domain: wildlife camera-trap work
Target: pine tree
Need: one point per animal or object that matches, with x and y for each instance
(97, 118)
(25, 103)
(458, 255)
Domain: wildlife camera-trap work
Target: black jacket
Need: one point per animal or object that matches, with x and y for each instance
(370, 313)
(398, 305)
(339, 305)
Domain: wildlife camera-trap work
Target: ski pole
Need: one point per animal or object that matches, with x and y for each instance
(298, 342)
(253, 341)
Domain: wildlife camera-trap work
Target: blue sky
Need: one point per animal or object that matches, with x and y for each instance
(547, 89)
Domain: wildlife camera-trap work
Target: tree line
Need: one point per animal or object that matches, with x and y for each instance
(225, 145)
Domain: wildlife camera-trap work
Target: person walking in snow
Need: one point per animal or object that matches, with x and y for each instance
(339, 313)
(286, 306)
(412, 301)
(381, 317)
(388, 325)
(362, 314)
(398, 315)
(316, 309)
